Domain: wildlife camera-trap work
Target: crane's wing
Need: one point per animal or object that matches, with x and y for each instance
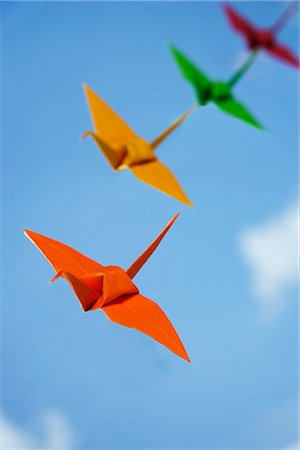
(157, 175)
(171, 128)
(140, 261)
(238, 22)
(142, 314)
(238, 110)
(284, 54)
(192, 73)
(109, 126)
(61, 257)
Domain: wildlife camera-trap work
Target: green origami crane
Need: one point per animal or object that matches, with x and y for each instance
(216, 91)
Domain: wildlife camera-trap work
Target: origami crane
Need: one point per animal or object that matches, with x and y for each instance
(216, 92)
(111, 289)
(264, 38)
(124, 149)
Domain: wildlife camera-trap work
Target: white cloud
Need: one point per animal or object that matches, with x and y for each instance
(271, 252)
(56, 435)
(295, 446)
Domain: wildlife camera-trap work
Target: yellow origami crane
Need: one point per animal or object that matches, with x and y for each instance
(125, 150)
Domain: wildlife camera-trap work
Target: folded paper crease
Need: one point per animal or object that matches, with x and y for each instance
(124, 149)
(111, 288)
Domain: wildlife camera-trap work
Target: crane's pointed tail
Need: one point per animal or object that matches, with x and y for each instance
(140, 261)
(159, 139)
(288, 13)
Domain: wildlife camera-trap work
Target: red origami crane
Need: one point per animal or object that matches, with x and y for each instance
(264, 38)
(111, 289)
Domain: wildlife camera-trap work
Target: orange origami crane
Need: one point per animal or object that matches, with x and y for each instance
(126, 150)
(111, 289)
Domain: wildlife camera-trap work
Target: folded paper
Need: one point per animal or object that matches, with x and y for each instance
(124, 149)
(217, 92)
(264, 38)
(111, 289)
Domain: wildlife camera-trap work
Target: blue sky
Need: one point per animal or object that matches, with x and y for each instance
(116, 387)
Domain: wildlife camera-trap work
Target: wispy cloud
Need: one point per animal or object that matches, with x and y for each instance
(56, 434)
(270, 250)
(295, 446)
